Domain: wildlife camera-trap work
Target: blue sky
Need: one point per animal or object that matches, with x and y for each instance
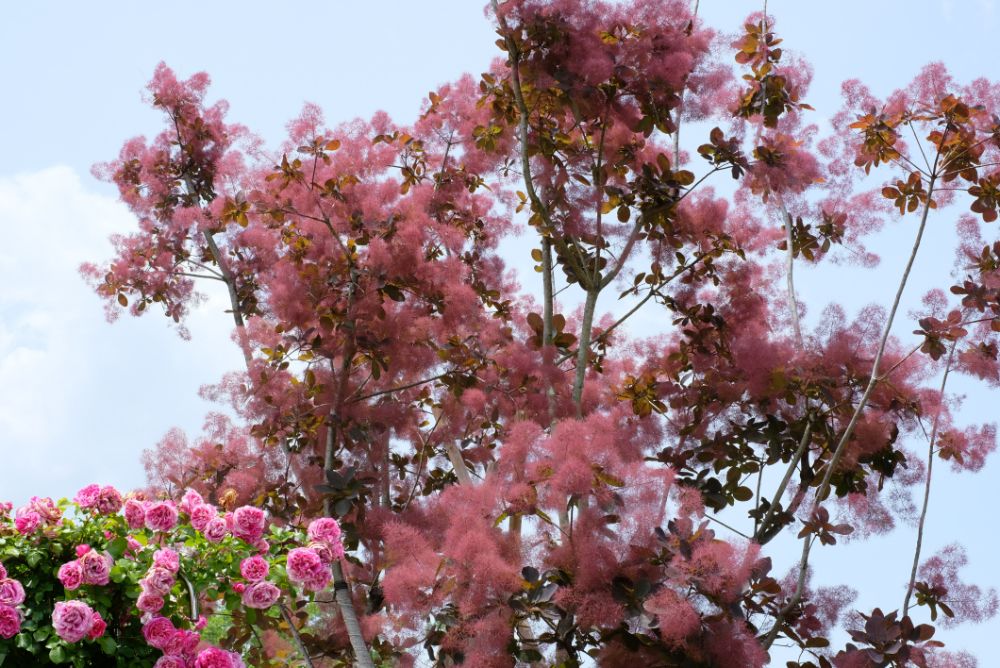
(80, 398)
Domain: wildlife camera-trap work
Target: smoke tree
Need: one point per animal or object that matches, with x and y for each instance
(518, 478)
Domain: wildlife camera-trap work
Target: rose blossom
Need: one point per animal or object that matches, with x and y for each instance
(45, 507)
(239, 587)
(201, 623)
(182, 642)
(249, 523)
(327, 551)
(158, 581)
(72, 620)
(97, 630)
(149, 602)
(11, 592)
(135, 514)
(326, 529)
(3, 572)
(254, 569)
(213, 657)
(167, 559)
(191, 500)
(82, 549)
(261, 595)
(87, 497)
(10, 621)
(158, 632)
(26, 520)
(71, 575)
(109, 501)
(319, 580)
(96, 568)
(171, 661)
(202, 514)
(216, 530)
(161, 516)
(303, 564)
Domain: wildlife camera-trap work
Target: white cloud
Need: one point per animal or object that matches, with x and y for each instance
(79, 398)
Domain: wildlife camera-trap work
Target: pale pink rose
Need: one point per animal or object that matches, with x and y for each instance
(158, 632)
(191, 500)
(161, 516)
(45, 507)
(216, 530)
(249, 523)
(109, 501)
(261, 595)
(149, 602)
(11, 592)
(135, 514)
(87, 497)
(96, 568)
(303, 564)
(324, 529)
(97, 630)
(158, 581)
(254, 569)
(202, 514)
(213, 657)
(71, 575)
(171, 661)
(72, 620)
(26, 520)
(10, 621)
(182, 642)
(167, 559)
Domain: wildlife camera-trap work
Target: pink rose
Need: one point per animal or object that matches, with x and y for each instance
(167, 559)
(201, 623)
(203, 514)
(11, 592)
(213, 657)
(319, 580)
(324, 529)
(216, 530)
(182, 642)
(171, 661)
(158, 632)
(249, 523)
(135, 514)
(71, 575)
(261, 595)
(72, 620)
(87, 497)
(158, 581)
(26, 520)
(82, 549)
(97, 630)
(161, 516)
(5, 508)
(3, 572)
(239, 587)
(45, 507)
(254, 569)
(191, 500)
(132, 545)
(327, 552)
(109, 501)
(303, 564)
(149, 602)
(10, 621)
(96, 568)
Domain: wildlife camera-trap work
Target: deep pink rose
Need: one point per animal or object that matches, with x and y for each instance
(249, 523)
(11, 592)
(182, 642)
(3, 571)
(158, 581)
(213, 657)
(10, 621)
(109, 501)
(71, 575)
(303, 564)
(87, 497)
(325, 529)
(239, 587)
(149, 602)
(202, 514)
(191, 500)
(158, 632)
(167, 559)
(97, 630)
(261, 595)
(216, 530)
(82, 549)
(72, 620)
(171, 661)
(254, 569)
(161, 516)
(135, 514)
(96, 568)
(26, 520)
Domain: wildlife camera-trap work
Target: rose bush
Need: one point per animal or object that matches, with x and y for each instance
(112, 579)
